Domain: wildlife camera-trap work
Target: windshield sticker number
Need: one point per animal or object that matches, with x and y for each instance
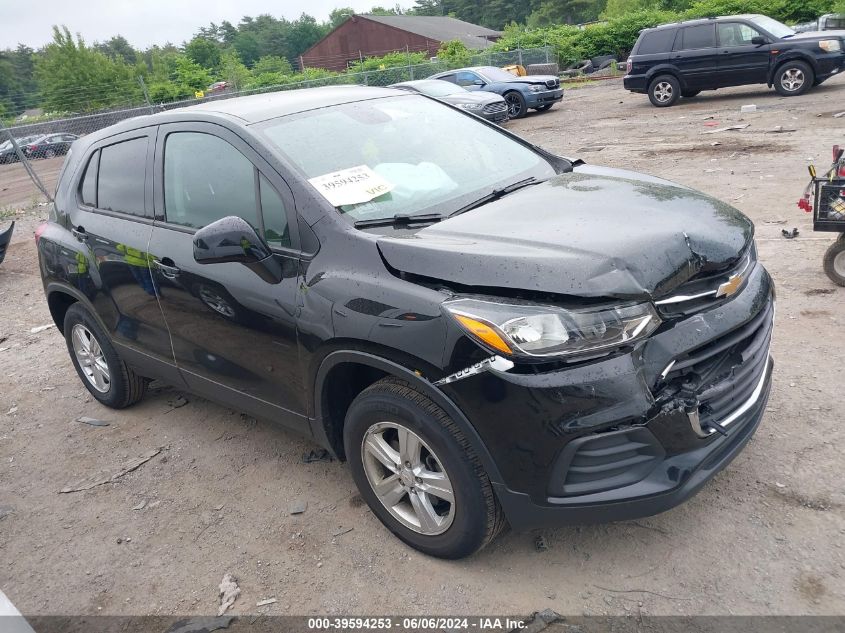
(351, 186)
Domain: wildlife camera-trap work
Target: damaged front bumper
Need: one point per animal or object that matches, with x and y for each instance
(616, 439)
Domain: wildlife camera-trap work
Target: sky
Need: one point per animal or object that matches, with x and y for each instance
(148, 22)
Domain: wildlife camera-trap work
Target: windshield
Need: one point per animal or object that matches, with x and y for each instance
(774, 27)
(496, 74)
(440, 88)
(429, 157)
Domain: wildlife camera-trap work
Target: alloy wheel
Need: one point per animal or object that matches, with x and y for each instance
(514, 105)
(90, 357)
(216, 302)
(408, 478)
(663, 92)
(839, 264)
(792, 79)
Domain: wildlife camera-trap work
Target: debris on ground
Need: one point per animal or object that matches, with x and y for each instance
(779, 129)
(128, 467)
(316, 455)
(790, 235)
(819, 291)
(6, 511)
(91, 421)
(41, 328)
(13, 409)
(201, 624)
(539, 621)
(593, 148)
(341, 532)
(775, 222)
(264, 603)
(178, 402)
(229, 592)
(839, 115)
(141, 505)
(540, 543)
(747, 109)
(298, 507)
(729, 128)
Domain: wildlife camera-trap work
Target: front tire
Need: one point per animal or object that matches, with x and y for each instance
(96, 361)
(664, 91)
(516, 105)
(418, 473)
(834, 261)
(794, 78)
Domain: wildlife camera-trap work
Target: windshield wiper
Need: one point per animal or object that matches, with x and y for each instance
(496, 194)
(401, 219)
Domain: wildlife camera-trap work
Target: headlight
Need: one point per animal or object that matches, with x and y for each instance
(470, 106)
(536, 331)
(830, 46)
(536, 88)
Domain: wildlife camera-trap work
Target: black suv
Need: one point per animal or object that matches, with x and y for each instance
(682, 59)
(486, 332)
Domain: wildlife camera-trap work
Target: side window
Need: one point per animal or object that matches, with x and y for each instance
(657, 42)
(120, 185)
(735, 34)
(450, 78)
(88, 187)
(467, 78)
(273, 213)
(206, 179)
(695, 37)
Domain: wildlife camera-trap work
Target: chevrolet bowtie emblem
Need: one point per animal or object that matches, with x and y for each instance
(730, 286)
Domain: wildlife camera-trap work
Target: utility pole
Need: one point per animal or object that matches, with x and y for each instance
(146, 94)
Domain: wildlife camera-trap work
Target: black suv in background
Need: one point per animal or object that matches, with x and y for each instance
(682, 59)
(486, 332)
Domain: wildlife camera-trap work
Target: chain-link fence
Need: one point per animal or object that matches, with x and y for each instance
(32, 150)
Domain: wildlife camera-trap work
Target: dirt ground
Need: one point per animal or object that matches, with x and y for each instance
(765, 537)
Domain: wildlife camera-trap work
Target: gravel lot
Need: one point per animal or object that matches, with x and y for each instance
(765, 537)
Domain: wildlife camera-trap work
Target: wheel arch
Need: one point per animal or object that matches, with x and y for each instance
(59, 299)
(791, 56)
(664, 70)
(371, 367)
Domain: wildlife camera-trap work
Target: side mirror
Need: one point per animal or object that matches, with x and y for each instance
(233, 240)
(759, 40)
(477, 82)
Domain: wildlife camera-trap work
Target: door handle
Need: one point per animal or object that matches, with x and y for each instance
(167, 268)
(79, 233)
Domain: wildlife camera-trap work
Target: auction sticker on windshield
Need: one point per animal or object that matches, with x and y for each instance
(351, 186)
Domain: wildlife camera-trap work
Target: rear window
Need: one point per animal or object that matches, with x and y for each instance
(656, 42)
(120, 186)
(702, 36)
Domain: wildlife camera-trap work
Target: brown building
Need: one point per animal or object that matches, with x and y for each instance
(372, 35)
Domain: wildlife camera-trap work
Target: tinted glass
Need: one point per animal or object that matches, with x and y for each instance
(703, 36)
(467, 78)
(88, 189)
(434, 158)
(120, 186)
(450, 78)
(273, 211)
(206, 179)
(657, 42)
(735, 34)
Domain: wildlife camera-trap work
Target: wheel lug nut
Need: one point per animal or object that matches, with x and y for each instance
(407, 464)
(418, 480)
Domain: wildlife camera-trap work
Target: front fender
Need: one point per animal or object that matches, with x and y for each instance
(790, 56)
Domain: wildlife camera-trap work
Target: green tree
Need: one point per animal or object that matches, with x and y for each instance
(338, 16)
(272, 64)
(430, 7)
(233, 71)
(204, 51)
(118, 48)
(248, 47)
(74, 77)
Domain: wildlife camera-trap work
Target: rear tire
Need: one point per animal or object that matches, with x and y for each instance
(834, 261)
(664, 91)
(794, 78)
(98, 364)
(391, 425)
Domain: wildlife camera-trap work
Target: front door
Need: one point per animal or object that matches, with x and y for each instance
(697, 57)
(740, 61)
(233, 332)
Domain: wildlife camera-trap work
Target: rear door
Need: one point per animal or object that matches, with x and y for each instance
(740, 61)
(233, 332)
(697, 57)
(113, 221)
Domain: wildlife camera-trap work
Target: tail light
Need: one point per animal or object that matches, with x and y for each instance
(40, 230)
(630, 66)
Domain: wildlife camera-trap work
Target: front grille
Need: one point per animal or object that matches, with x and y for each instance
(604, 461)
(724, 373)
(553, 83)
(494, 108)
(701, 292)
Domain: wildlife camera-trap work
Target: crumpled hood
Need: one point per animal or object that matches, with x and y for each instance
(595, 232)
(817, 35)
(528, 79)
